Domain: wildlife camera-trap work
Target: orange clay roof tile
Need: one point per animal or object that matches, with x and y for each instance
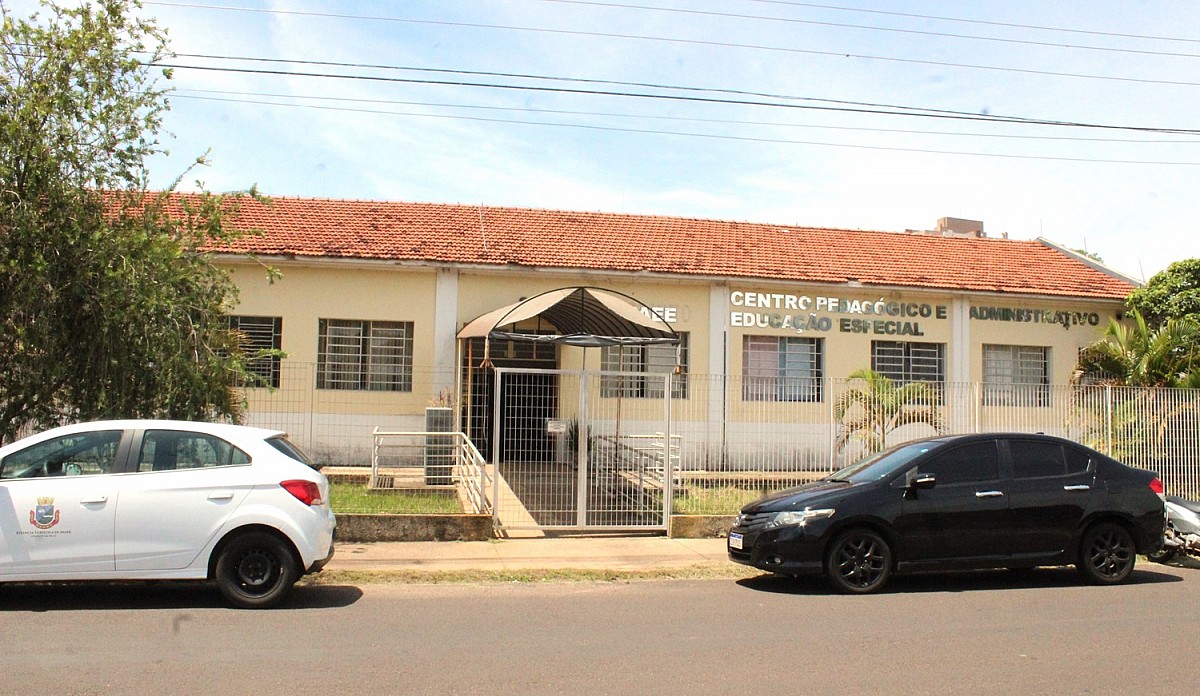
(467, 234)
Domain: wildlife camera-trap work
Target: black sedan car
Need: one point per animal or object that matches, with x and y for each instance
(955, 503)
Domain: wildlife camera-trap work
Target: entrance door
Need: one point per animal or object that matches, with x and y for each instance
(530, 402)
(524, 404)
(595, 456)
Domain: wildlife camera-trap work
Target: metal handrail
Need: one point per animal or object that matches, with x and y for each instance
(470, 473)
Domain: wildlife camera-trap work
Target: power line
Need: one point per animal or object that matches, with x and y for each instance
(694, 42)
(1009, 25)
(894, 30)
(675, 118)
(622, 83)
(715, 136)
(683, 98)
(593, 81)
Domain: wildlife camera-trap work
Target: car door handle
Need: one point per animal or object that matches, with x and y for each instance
(94, 501)
(1080, 487)
(989, 494)
(221, 495)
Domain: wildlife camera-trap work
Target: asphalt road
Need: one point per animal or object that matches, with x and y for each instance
(995, 632)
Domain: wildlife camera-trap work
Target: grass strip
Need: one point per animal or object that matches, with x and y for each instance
(355, 498)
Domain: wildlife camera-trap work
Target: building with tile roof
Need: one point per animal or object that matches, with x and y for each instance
(374, 294)
(483, 236)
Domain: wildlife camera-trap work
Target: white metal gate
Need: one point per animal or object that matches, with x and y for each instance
(582, 451)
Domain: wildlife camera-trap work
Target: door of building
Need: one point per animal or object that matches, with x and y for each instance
(523, 403)
(609, 464)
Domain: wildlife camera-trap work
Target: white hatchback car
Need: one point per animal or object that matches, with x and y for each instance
(164, 500)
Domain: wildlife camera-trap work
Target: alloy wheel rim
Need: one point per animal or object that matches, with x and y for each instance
(1111, 555)
(860, 562)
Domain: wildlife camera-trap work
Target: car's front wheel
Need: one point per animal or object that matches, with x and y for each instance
(255, 570)
(1106, 554)
(858, 561)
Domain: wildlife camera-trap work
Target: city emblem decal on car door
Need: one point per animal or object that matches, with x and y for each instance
(44, 516)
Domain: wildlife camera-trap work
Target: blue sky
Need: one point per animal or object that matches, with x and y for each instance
(1127, 195)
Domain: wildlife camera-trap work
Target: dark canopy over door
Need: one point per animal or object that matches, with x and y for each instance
(584, 316)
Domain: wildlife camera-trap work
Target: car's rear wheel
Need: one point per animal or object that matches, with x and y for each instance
(1106, 554)
(858, 561)
(255, 570)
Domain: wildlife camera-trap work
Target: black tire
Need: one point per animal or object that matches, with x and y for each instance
(1162, 556)
(858, 561)
(1106, 554)
(255, 570)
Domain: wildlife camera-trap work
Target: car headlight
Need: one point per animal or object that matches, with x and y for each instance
(798, 517)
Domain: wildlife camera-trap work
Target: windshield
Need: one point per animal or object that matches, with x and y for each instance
(883, 464)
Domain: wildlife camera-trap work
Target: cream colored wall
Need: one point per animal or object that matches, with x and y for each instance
(847, 319)
(850, 319)
(306, 294)
(1086, 324)
(852, 326)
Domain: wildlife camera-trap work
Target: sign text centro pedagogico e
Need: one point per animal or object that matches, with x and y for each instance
(803, 313)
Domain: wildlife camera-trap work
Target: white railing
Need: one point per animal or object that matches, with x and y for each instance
(425, 460)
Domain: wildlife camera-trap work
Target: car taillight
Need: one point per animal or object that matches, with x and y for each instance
(306, 492)
(1156, 485)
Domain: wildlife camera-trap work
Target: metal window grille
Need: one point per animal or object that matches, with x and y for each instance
(257, 334)
(364, 355)
(782, 368)
(1016, 375)
(654, 359)
(904, 361)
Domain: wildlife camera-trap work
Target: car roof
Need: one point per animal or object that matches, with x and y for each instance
(225, 429)
(966, 437)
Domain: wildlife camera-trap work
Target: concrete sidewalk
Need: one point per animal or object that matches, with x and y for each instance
(553, 553)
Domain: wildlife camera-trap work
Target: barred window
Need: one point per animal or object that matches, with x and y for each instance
(365, 355)
(907, 361)
(1016, 375)
(782, 368)
(653, 359)
(257, 334)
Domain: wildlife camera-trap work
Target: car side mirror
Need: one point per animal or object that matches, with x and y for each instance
(920, 481)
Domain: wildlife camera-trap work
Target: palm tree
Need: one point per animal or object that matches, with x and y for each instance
(1135, 422)
(870, 412)
(1139, 356)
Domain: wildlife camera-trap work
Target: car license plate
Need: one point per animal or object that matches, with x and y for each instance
(735, 540)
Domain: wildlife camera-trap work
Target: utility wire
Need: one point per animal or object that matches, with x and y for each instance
(692, 42)
(683, 98)
(188, 93)
(605, 82)
(982, 22)
(715, 136)
(845, 25)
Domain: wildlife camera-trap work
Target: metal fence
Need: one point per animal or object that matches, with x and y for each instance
(734, 439)
(335, 425)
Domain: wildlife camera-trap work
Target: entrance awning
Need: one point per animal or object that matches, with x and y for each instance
(584, 316)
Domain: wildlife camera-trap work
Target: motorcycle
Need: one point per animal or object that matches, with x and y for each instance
(1183, 530)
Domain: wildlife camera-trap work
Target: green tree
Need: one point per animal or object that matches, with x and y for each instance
(1140, 355)
(1132, 399)
(1091, 255)
(1172, 294)
(870, 411)
(109, 306)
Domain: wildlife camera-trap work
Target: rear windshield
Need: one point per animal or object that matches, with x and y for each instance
(284, 445)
